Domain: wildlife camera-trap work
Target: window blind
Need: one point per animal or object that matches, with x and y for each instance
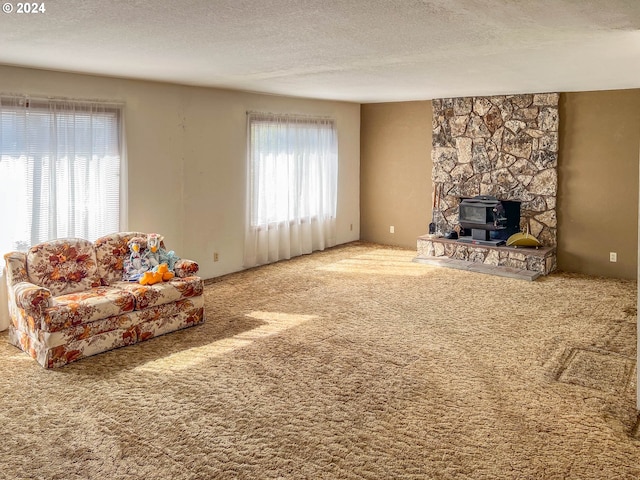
(60, 170)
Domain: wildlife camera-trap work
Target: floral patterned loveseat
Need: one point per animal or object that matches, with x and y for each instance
(67, 299)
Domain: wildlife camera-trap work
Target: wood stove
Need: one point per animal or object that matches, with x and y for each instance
(490, 220)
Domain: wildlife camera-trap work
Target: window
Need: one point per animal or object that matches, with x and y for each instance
(292, 186)
(60, 170)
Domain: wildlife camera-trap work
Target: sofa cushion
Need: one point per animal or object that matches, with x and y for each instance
(111, 251)
(88, 306)
(160, 326)
(63, 266)
(160, 293)
(75, 350)
(116, 322)
(56, 349)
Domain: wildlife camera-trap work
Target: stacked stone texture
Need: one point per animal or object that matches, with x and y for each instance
(505, 146)
(543, 262)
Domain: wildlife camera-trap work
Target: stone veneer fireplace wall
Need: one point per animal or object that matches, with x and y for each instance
(505, 146)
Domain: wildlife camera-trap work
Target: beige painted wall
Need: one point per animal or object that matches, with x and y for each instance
(395, 172)
(598, 182)
(598, 178)
(186, 151)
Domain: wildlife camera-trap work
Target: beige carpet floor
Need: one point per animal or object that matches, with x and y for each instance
(353, 363)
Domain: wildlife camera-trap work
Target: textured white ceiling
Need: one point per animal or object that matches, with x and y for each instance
(354, 50)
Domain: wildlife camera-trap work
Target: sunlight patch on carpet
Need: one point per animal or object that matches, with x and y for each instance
(600, 370)
(383, 263)
(275, 322)
(18, 356)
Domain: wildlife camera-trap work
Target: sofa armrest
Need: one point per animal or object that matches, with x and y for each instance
(32, 298)
(16, 268)
(185, 268)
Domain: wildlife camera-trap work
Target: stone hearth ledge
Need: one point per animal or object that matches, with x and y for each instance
(541, 260)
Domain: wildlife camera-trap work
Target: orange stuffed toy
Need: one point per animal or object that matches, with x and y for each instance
(158, 274)
(163, 269)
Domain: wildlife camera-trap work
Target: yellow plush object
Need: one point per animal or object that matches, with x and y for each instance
(149, 278)
(163, 269)
(159, 274)
(523, 239)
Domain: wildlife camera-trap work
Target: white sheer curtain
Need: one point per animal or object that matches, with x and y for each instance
(61, 171)
(292, 186)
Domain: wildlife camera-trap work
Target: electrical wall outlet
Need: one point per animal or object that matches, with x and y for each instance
(215, 256)
(613, 257)
(351, 227)
(392, 229)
